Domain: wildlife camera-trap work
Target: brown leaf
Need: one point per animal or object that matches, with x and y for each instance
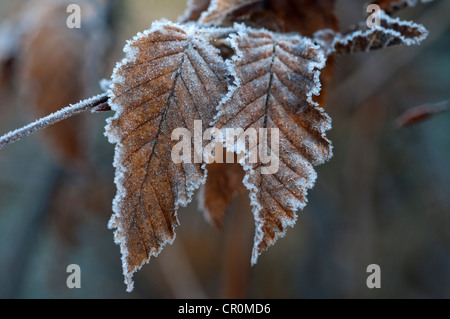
(219, 10)
(171, 77)
(305, 16)
(363, 39)
(392, 6)
(302, 16)
(54, 69)
(194, 10)
(224, 182)
(278, 75)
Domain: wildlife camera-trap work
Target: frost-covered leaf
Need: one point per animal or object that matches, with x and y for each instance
(391, 32)
(307, 17)
(304, 17)
(170, 77)
(391, 6)
(278, 74)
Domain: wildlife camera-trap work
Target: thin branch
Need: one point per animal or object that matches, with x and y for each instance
(421, 113)
(51, 119)
(237, 252)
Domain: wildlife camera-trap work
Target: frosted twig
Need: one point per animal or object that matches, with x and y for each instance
(51, 119)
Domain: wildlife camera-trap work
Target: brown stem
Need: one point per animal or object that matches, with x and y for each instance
(51, 119)
(236, 267)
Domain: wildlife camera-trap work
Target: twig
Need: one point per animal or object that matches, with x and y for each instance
(421, 113)
(179, 274)
(236, 268)
(51, 119)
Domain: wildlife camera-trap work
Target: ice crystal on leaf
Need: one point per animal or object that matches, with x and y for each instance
(362, 39)
(391, 6)
(278, 76)
(170, 77)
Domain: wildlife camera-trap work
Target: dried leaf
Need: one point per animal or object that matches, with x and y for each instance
(278, 76)
(54, 68)
(421, 113)
(391, 32)
(392, 6)
(170, 77)
(194, 10)
(305, 16)
(9, 46)
(219, 10)
(224, 182)
(175, 74)
(302, 16)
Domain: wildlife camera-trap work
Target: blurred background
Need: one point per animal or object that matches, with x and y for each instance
(383, 199)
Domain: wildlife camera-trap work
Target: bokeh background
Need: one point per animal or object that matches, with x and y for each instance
(383, 199)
